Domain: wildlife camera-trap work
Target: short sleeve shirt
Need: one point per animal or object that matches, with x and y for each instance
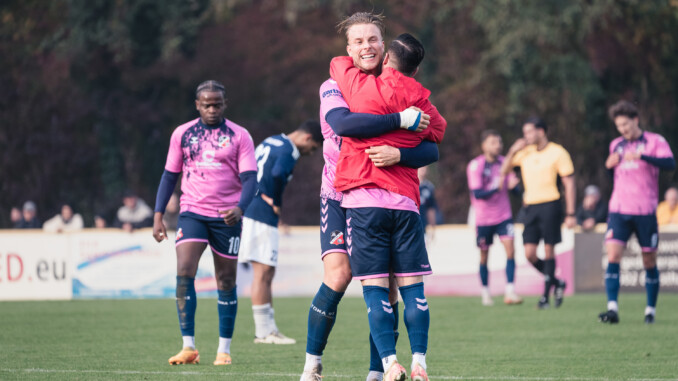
(636, 182)
(540, 171)
(211, 159)
(483, 175)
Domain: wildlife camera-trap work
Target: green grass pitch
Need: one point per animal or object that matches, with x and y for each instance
(132, 340)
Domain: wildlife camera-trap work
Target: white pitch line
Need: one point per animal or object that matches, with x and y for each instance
(264, 374)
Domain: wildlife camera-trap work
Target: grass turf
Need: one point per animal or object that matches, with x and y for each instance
(132, 340)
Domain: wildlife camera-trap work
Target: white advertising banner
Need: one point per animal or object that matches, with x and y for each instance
(34, 266)
(111, 263)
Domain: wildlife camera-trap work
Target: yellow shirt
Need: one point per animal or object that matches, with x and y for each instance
(666, 216)
(540, 170)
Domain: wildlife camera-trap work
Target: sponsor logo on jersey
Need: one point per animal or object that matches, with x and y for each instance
(208, 160)
(331, 93)
(337, 238)
(224, 141)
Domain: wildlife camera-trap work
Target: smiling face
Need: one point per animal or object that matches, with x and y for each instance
(366, 47)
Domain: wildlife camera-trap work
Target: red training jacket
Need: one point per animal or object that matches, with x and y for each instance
(388, 93)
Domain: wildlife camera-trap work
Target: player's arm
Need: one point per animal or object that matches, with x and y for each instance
(168, 181)
(280, 173)
(667, 163)
(570, 200)
(416, 157)
(474, 176)
(437, 125)
(511, 159)
(349, 124)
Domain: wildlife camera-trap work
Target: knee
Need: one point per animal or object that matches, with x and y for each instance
(649, 260)
(338, 279)
(225, 283)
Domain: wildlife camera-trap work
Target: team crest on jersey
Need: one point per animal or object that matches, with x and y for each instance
(224, 141)
(194, 140)
(337, 238)
(180, 234)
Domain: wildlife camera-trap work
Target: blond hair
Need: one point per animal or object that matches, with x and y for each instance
(361, 18)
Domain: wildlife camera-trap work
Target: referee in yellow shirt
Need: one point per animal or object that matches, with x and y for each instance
(541, 162)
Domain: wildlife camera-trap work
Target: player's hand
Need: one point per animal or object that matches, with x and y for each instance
(513, 182)
(409, 116)
(500, 183)
(159, 231)
(570, 222)
(588, 224)
(612, 160)
(383, 156)
(269, 201)
(231, 216)
(631, 156)
(518, 145)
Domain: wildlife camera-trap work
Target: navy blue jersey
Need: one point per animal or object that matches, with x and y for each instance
(276, 157)
(428, 200)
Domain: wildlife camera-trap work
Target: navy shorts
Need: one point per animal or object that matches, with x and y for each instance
(620, 226)
(383, 240)
(223, 239)
(542, 221)
(332, 227)
(485, 234)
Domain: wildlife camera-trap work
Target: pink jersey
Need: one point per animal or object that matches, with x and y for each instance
(378, 198)
(636, 182)
(486, 176)
(211, 159)
(330, 98)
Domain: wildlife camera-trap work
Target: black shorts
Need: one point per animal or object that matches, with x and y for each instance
(542, 221)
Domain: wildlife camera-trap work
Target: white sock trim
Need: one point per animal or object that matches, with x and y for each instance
(189, 341)
(312, 361)
(387, 361)
(612, 306)
(224, 345)
(650, 310)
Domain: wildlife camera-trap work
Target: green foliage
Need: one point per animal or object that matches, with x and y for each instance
(91, 90)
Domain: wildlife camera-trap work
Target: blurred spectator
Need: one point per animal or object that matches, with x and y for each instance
(134, 213)
(66, 221)
(171, 215)
(667, 210)
(99, 221)
(29, 219)
(592, 209)
(429, 207)
(15, 217)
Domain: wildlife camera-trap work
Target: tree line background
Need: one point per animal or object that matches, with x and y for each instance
(90, 91)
